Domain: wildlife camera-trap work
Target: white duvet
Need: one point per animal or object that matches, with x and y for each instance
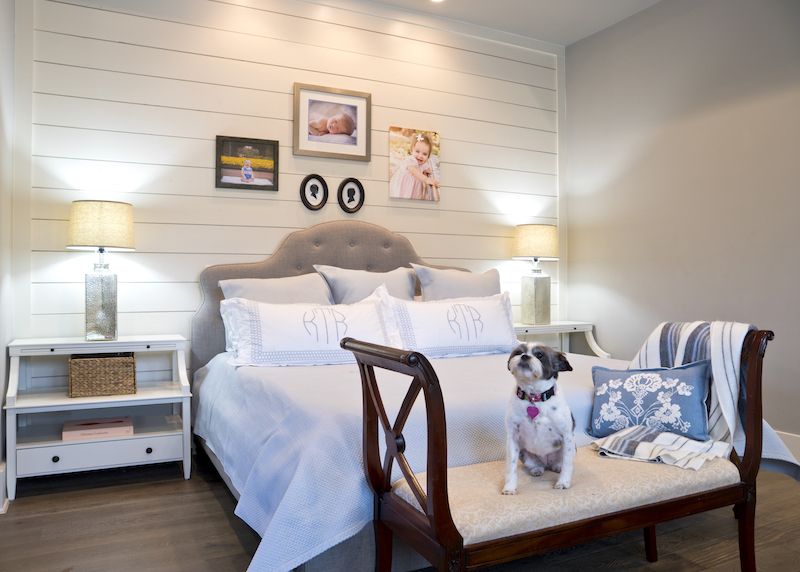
(289, 438)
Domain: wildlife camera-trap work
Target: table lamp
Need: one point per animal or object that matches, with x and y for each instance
(101, 226)
(535, 242)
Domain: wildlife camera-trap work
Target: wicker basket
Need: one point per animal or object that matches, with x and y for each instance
(102, 374)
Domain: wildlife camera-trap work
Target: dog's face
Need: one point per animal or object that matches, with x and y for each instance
(535, 361)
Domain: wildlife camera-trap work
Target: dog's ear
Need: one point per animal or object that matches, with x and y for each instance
(561, 362)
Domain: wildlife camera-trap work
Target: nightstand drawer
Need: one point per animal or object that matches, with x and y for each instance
(98, 454)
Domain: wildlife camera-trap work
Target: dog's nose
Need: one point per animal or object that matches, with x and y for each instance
(524, 357)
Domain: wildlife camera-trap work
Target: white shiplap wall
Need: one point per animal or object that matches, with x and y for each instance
(128, 97)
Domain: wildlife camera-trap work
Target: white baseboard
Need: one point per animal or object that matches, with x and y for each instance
(3, 495)
(792, 441)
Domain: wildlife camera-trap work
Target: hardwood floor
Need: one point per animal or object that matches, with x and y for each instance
(143, 519)
(148, 519)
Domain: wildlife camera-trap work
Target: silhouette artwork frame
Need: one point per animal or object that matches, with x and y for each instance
(351, 195)
(314, 192)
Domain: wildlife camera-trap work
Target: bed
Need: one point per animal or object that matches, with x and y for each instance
(287, 440)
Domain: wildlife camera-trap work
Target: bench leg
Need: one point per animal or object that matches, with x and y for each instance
(650, 548)
(746, 514)
(383, 547)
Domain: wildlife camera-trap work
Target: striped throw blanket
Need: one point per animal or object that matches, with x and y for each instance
(677, 343)
(647, 444)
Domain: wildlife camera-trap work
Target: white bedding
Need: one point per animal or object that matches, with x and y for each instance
(290, 440)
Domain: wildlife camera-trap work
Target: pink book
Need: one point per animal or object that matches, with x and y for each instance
(97, 428)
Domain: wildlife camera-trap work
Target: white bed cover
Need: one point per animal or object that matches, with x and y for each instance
(289, 438)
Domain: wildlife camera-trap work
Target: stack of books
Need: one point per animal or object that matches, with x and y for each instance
(106, 427)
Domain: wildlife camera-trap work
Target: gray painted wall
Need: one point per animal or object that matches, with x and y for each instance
(683, 168)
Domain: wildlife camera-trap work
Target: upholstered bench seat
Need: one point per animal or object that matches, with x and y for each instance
(600, 486)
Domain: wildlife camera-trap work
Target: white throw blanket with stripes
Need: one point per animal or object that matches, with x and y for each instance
(648, 444)
(676, 343)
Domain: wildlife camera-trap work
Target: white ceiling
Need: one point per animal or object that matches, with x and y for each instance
(559, 22)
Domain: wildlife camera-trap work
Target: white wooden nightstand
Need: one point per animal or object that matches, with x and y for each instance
(37, 404)
(563, 328)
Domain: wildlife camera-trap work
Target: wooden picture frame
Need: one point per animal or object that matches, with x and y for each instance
(239, 158)
(333, 123)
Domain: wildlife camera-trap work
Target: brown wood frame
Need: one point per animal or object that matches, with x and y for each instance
(433, 533)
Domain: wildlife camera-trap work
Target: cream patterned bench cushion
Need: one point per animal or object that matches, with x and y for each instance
(599, 486)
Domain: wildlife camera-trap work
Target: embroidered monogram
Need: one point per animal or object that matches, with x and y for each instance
(325, 325)
(465, 321)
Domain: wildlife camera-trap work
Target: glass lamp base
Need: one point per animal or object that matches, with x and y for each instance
(101, 306)
(536, 299)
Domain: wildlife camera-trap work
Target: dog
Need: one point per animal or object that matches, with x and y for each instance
(539, 424)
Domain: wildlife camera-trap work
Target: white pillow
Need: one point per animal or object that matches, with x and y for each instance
(439, 284)
(349, 286)
(310, 288)
(455, 327)
(302, 334)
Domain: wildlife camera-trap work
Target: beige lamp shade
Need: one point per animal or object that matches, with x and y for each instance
(535, 241)
(100, 224)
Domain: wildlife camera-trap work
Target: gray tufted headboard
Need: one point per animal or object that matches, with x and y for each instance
(347, 244)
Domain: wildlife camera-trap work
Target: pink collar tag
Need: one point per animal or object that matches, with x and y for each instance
(533, 412)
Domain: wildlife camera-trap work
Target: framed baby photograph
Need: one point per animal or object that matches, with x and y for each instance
(330, 122)
(246, 164)
(413, 164)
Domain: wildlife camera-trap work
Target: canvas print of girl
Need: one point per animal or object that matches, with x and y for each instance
(413, 164)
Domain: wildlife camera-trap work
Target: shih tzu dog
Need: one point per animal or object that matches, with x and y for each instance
(539, 424)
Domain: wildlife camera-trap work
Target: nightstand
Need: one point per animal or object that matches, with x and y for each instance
(37, 405)
(563, 328)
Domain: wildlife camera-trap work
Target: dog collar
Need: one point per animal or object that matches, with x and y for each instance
(534, 397)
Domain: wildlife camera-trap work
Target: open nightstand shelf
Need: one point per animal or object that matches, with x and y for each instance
(563, 329)
(36, 409)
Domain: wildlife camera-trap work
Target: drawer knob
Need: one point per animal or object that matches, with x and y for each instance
(149, 450)
(56, 459)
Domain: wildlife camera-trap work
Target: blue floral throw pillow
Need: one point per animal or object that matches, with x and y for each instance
(672, 400)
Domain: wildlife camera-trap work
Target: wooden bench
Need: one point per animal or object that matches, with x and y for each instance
(442, 513)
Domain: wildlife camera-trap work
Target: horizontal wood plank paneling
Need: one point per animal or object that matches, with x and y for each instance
(69, 298)
(140, 267)
(129, 97)
(311, 24)
(338, 51)
(71, 325)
